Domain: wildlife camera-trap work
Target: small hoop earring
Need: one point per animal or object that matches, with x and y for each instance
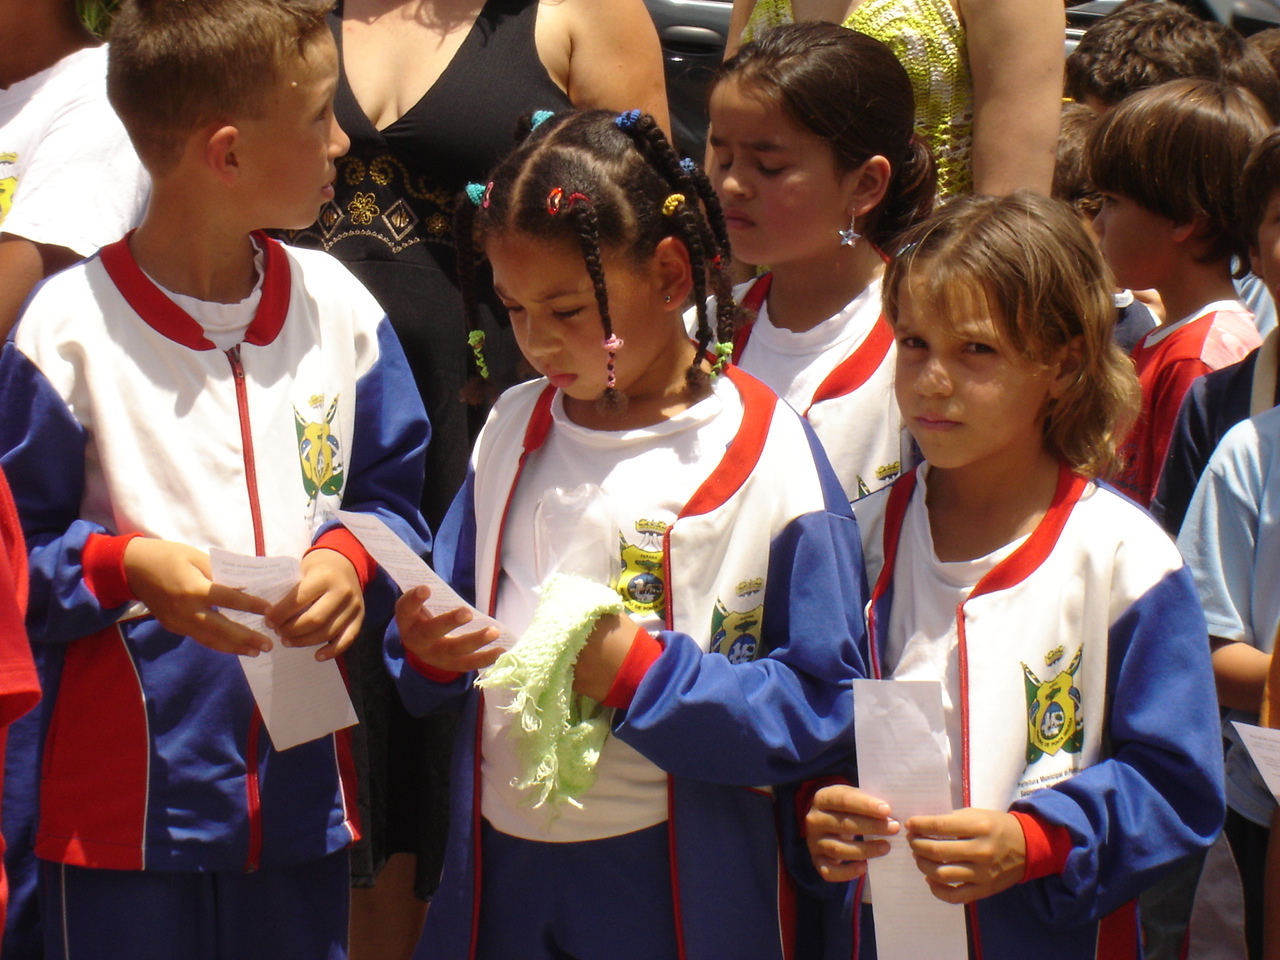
(667, 298)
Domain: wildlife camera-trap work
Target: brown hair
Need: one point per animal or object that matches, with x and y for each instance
(1143, 45)
(176, 65)
(1033, 264)
(1071, 183)
(1178, 150)
(850, 90)
(1258, 184)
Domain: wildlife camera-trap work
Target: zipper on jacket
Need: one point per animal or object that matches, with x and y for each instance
(246, 443)
(253, 804)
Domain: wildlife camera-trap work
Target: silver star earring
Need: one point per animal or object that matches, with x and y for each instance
(850, 236)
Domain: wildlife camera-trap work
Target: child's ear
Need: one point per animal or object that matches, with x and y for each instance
(1066, 369)
(868, 184)
(219, 149)
(1194, 230)
(673, 270)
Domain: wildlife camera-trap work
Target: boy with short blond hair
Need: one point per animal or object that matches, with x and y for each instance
(1167, 162)
(197, 385)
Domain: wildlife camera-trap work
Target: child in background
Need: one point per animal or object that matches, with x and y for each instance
(1040, 598)
(815, 162)
(728, 547)
(1071, 184)
(1219, 400)
(1168, 162)
(198, 385)
(1142, 45)
(1231, 540)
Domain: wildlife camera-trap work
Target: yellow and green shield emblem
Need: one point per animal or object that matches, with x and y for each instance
(1054, 719)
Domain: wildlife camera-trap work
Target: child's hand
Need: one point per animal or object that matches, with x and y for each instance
(968, 854)
(839, 829)
(326, 607)
(598, 664)
(424, 636)
(175, 581)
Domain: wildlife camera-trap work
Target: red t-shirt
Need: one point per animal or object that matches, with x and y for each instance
(19, 688)
(1168, 359)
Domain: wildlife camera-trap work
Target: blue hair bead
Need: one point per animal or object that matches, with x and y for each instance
(475, 192)
(688, 166)
(627, 120)
(539, 118)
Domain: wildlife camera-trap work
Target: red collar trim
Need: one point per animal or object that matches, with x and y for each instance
(752, 301)
(170, 320)
(895, 510)
(857, 368)
(1024, 561)
(743, 453)
(540, 420)
(1016, 567)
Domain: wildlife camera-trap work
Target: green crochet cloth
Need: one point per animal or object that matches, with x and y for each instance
(558, 734)
(929, 41)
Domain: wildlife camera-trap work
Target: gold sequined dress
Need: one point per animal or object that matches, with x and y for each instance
(929, 41)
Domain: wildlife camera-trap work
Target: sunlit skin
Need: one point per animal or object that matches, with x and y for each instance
(785, 202)
(977, 412)
(556, 319)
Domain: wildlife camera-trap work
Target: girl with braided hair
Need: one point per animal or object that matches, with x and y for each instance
(814, 158)
(718, 645)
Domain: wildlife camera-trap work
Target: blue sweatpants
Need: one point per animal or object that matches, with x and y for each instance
(604, 899)
(284, 913)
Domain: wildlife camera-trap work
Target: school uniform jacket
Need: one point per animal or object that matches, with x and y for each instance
(1087, 700)
(867, 448)
(122, 419)
(770, 518)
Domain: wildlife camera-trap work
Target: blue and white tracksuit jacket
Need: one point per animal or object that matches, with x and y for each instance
(121, 418)
(1096, 601)
(771, 511)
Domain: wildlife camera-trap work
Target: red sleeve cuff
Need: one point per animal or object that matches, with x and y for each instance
(808, 790)
(102, 560)
(344, 542)
(1048, 846)
(428, 671)
(645, 649)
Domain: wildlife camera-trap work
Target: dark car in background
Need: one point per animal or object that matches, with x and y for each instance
(692, 34)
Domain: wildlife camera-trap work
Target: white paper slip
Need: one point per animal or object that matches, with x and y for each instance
(1263, 745)
(300, 698)
(902, 759)
(409, 570)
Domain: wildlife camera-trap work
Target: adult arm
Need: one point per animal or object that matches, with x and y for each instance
(23, 264)
(1016, 57)
(606, 55)
(742, 10)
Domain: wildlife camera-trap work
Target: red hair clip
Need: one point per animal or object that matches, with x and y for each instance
(553, 200)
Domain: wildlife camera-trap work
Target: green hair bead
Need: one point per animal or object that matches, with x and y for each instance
(724, 352)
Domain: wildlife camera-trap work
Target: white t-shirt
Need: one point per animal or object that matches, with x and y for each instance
(224, 324)
(860, 429)
(68, 173)
(924, 640)
(639, 481)
(794, 365)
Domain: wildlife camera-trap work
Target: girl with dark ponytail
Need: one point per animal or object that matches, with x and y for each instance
(818, 168)
(654, 504)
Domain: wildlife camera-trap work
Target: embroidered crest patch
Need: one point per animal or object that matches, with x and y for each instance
(319, 453)
(640, 581)
(736, 633)
(1055, 720)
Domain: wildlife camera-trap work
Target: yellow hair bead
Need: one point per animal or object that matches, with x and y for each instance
(672, 204)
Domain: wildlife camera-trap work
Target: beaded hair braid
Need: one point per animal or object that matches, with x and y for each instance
(598, 180)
